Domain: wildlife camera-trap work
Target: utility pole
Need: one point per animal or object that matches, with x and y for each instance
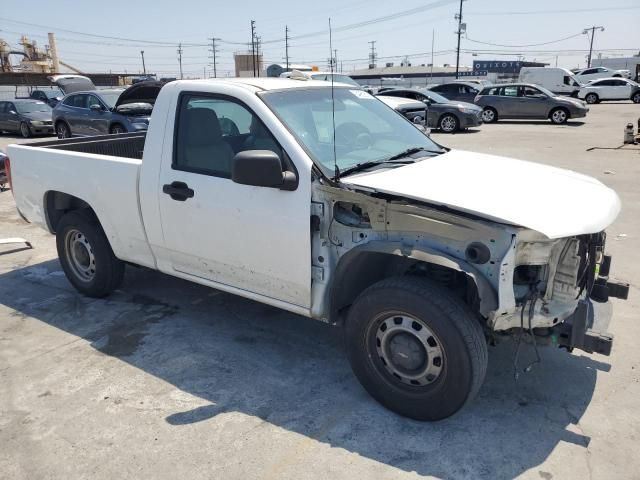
(214, 50)
(433, 38)
(180, 59)
(372, 55)
(253, 46)
(258, 54)
(335, 59)
(461, 27)
(593, 34)
(144, 69)
(286, 46)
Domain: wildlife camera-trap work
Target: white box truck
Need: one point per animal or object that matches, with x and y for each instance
(558, 80)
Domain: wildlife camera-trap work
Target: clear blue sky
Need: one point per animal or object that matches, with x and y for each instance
(503, 22)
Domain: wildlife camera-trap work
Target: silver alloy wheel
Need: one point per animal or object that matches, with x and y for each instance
(559, 116)
(591, 98)
(409, 350)
(636, 98)
(448, 124)
(488, 115)
(80, 255)
(24, 130)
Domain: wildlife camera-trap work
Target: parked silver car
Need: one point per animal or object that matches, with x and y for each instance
(527, 101)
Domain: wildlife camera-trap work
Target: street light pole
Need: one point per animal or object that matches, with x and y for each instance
(593, 34)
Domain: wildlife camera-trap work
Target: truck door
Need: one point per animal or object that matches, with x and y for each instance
(253, 238)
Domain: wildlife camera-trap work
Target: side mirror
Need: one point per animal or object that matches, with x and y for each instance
(95, 107)
(12, 112)
(262, 168)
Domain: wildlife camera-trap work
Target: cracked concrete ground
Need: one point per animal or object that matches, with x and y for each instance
(167, 379)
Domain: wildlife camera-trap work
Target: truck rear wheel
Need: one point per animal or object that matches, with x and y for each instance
(416, 348)
(86, 256)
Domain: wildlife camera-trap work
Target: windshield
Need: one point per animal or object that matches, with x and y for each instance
(32, 107)
(110, 97)
(436, 97)
(545, 91)
(336, 78)
(366, 129)
(53, 93)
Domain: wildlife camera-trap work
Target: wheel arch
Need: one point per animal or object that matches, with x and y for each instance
(368, 264)
(57, 204)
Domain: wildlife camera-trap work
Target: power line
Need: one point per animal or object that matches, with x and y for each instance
(526, 45)
(571, 10)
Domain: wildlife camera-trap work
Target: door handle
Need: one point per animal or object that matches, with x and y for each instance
(179, 191)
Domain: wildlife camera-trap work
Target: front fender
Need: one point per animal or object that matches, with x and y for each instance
(486, 293)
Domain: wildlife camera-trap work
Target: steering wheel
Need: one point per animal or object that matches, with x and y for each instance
(354, 134)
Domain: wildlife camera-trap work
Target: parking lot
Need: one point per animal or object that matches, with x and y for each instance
(168, 379)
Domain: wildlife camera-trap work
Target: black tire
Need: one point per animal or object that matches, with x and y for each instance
(592, 98)
(25, 131)
(449, 123)
(108, 271)
(616, 75)
(63, 130)
(559, 115)
(635, 98)
(489, 115)
(459, 335)
(117, 129)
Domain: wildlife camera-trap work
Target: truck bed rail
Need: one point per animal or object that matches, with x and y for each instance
(128, 145)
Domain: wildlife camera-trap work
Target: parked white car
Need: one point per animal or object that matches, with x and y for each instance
(610, 89)
(594, 73)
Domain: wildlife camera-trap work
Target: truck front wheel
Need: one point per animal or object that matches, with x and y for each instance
(86, 256)
(416, 348)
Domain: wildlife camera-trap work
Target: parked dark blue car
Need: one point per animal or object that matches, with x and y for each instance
(103, 112)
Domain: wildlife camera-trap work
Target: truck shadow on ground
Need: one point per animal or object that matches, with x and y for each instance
(242, 356)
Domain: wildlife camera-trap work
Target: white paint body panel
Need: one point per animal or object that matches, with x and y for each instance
(555, 202)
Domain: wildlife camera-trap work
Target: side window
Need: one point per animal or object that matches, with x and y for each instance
(618, 83)
(69, 100)
(510, 91)
(602, 70)
(3, 106)
(566, 80)
(79, 101)
(211, 130)
(530, 92)
(11, 107)
(92, 100)
(492, 91)
(590, 71)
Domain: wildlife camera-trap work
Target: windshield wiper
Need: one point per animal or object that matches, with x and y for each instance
(397, 159)
(411, 151)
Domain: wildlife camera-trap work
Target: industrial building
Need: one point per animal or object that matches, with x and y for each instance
(409, 75)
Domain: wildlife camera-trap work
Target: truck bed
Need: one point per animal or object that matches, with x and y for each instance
(126, 145)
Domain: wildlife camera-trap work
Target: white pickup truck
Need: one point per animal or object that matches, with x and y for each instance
(339, 210)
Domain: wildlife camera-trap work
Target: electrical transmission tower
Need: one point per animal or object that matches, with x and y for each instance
(372, 54)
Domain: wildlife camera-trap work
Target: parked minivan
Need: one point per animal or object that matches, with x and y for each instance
(558, 80)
